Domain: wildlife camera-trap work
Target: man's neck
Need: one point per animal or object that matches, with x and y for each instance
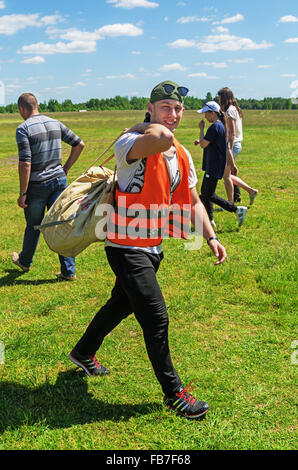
(35, 112)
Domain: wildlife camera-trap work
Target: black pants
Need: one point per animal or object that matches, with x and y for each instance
(136, 290)
(208, 196)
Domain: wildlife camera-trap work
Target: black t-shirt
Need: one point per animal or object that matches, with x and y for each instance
(215, 155)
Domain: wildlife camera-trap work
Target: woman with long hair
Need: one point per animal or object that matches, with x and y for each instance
(230, 107)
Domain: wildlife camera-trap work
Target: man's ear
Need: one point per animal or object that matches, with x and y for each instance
(149, 107)
(22, 111)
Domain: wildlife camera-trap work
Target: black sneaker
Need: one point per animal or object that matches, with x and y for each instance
(88, 363)
(187, 405)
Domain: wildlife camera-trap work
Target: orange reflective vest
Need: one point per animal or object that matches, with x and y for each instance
(145, 218)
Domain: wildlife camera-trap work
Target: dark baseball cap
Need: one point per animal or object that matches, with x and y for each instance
(168, 90)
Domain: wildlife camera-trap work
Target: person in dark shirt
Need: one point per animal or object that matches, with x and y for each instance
(41, 174)
(214, 144)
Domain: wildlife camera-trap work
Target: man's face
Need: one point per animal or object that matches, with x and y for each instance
(166, 112)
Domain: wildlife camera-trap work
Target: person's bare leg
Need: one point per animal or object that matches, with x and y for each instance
(251, 191)
(229, 184)
(239, 182)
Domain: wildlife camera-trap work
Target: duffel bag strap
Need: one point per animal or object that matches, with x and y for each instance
(109, 158)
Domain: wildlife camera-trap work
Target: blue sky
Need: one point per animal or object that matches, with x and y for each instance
(103, 48)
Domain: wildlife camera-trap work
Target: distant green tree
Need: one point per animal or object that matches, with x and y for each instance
(12, 108)
(53, 106)
(43, 107)
(67, 105)
(139, 103)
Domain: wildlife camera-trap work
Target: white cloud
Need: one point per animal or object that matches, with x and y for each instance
(169, 67)
(288, 75)
(12, 87)
(114, 30)
(232, 19)
(11, 24)
(216, 65)
(86, 73)
(79, 41)
(61, 89)
(241, 61)
(51, 19)
(294, 84)
(127, 75)
(33, 60)
(202, 75)
(129, 4)
(2, 5)
(136, 52)
(80, 84)
(110, 30)
(182, 43)
(220, 29)
(191, 19)
(288, 19)
(198, 74)
(293, 40)
(264, 66)
(73, 47)
(224, 42)
(74, 34)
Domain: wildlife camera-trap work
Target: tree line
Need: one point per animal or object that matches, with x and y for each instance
(139, 103)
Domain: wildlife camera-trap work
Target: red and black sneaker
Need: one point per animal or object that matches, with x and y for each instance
(88, 363)
(187, 405)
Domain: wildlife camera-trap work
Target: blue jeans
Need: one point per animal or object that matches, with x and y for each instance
(237, 147)
(41, 196)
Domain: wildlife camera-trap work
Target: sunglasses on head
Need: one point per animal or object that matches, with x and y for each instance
(169, 88)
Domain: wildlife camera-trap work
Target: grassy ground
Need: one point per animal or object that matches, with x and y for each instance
(232, 327)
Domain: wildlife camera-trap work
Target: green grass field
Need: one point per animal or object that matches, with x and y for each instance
(232, 327)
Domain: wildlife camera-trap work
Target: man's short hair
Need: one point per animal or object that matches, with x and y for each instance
(27, 101)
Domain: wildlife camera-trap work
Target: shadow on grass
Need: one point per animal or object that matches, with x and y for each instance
(62, 405)
(13, 275)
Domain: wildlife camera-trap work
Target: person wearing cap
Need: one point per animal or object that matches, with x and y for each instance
(214, 144)
(153, 168)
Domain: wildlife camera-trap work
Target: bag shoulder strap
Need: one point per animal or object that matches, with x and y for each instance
(109, 158)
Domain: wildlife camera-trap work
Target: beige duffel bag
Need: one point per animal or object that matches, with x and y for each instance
(73, 222)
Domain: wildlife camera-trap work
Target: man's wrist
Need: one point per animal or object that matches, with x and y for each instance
(23, 193)
(212, 238)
